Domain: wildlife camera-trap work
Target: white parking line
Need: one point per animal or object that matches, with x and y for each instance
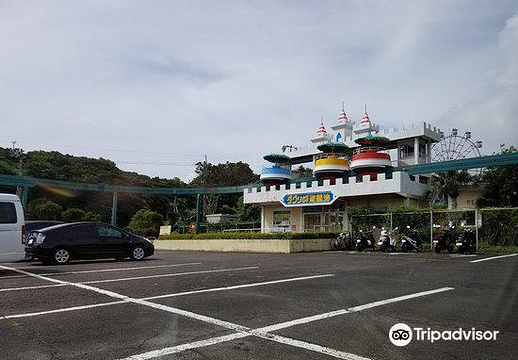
(99, 270)
(232, 326)
(169, 275)
(265, 332)
(371, 305)
(227, 288)
(492, 258)
(31, 287)
(238, 286)
(74, 308)
(64, 283)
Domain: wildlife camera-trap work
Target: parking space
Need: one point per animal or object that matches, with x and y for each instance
(191, 305)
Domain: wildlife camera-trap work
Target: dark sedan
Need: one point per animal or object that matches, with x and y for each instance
(86, 240)
(34, 225)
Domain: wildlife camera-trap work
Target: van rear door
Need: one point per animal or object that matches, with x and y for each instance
(12, 226)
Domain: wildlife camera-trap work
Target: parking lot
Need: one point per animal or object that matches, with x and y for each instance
(192, 305)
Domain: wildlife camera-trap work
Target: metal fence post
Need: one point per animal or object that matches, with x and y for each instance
(198, 201)
(431, 229)
(476, 229)
(114, 208)
(25, 195)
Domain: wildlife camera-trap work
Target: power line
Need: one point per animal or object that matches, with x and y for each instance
(116, 150)
(152, 163)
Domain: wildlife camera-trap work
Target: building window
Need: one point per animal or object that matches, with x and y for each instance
(281, 218)
(406, 150)
(423, 179)
(422, 150)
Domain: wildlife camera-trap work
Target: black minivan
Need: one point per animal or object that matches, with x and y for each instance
(86, 240)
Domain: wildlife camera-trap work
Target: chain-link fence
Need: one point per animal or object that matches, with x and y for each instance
(220, 227)
(498, 226)
(495, 226)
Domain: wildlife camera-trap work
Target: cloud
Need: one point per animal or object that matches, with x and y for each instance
(493, 116)
(167, 82)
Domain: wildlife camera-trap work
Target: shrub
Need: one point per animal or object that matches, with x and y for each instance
(145, 222)
(251, 235)
(43, 209)
(75, 214)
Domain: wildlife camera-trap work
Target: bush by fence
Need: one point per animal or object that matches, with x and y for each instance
(248, 235)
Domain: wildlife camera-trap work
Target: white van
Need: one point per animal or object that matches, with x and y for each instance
(12, 228)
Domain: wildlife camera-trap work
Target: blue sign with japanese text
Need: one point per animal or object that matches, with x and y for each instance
(308, 199)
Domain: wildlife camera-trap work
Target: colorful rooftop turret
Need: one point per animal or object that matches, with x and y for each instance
(279, 172)
(332, 162)
(372, 157)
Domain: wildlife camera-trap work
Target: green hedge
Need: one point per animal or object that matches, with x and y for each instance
(251, 235)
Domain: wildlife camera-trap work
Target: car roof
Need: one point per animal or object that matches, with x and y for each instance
(33, 225)
(43, 221)
(67, 225)
(9, 197)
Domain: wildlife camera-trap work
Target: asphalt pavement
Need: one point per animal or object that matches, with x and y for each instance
(198, 305)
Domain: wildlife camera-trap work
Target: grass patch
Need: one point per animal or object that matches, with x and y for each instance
(497, 249)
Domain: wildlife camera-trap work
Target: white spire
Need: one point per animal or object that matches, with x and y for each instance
(342, 118)
(365, 120)
(321, 129)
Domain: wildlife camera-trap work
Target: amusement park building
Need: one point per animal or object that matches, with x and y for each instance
(353, 165)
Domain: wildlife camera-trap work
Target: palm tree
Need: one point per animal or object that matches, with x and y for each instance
(447, 185)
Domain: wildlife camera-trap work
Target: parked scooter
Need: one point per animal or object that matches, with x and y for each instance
(386, 241)
(365, 240)
(444, 240)
(411, 240)
(342, 242)
(466, 242)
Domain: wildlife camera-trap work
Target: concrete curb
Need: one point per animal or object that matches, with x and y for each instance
(246, 245)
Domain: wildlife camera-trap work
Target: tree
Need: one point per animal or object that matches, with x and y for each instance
(501, 183)
(248, 212)
(226, 174)
(75, 214)
(301, 172)
(146, 222)
(446, 186)
(43, 209)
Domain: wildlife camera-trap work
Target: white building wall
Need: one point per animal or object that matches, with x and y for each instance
(400, 184)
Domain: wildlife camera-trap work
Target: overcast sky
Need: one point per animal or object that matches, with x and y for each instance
(155, 85)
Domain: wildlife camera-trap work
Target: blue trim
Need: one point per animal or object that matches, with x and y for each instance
(276, 170)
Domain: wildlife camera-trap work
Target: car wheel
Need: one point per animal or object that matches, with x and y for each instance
(61, 256)
(138, 253)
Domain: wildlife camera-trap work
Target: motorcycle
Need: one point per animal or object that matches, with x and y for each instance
(466, 242)
(385, 242)
(342, 242)
(412, 241)
(444, 241)
(365, 240)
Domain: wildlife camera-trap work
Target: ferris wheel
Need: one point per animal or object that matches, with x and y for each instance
(456, 146)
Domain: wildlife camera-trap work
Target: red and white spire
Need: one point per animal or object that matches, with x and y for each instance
(321, 129)
(342, 118)
(365, 120)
